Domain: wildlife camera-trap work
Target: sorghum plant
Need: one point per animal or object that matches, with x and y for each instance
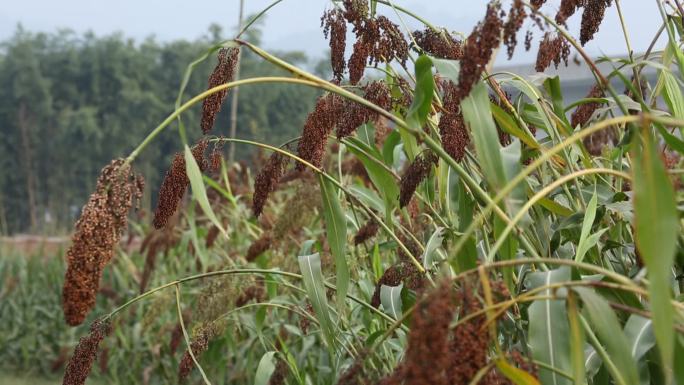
(440, 224)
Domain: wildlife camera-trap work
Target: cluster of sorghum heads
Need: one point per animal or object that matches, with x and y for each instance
(99, 229)
(439, 44)
(175, 183)
(438, 355)
(378, 40)
(223, 73)
(267, 180)
(516, 18)
(259, 246)
(592, 16)
(404, 272)
(416, 172)
(583, 112)
(81, 362)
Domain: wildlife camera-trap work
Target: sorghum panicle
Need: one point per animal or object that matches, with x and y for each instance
(552, 50)
(439, 44)
(81, 362)
(267, 180)
(97, 232)
(335, 30)
(175, 183)
(319, 123)
(223, 73)
(417, 171)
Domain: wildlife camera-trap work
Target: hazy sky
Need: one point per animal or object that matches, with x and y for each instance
(292, 24)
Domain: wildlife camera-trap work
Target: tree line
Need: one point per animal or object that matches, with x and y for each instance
(69, 103)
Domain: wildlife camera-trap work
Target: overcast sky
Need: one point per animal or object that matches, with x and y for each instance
(291, 25)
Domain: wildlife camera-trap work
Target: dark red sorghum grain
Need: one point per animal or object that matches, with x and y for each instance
(417, 171)
(318, 125)
(567, 9)
(439, 44)
(175, 183)
(366, 232)
(81, 362)
(199, 344)
(401, 272)
(97, 232)
(223, 73)
(583, 112)
(267, 180)
(258, 247)
(592, 17)
(478, 49)
(552, 50)
(335, 29)
(355, 114)
(516, 17)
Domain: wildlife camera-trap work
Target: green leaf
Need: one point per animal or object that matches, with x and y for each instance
(310, 266)
(589, 216)
(382, 179)
(431, 247)
(390, 298)
(265, 369)
(639, 332)
(448, 69)
(417, 114)
(672, 94)
(478, 117)
(577, 341)
(198, 190)
(508, 124)
(422, 98)
(610, 334)
(336, 233)
(657, 229)
(549, 330)
(517, 376)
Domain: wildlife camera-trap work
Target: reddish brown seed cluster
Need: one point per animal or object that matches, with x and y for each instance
(429, 337)
(378, 40)
(439, 44)
(318, 125)
(335, 29)
(175, 183)
(567, 9)
(516, 18)
(401, 272)
(259, 247)
(478, 50)
(469, 342)
(552, 50)
(267, 180)
(98, 231)
(254, 293)
(199, 344)
(81, 362)
(417, 171)
(279, 374)
(583, 112)
(452, 128)
(355, 114)
(592, 17)
(223, 73)
(366, 232)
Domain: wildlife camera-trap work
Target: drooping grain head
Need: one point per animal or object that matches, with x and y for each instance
(354, 114)
(97, 232)
(319, 123)
(439, 44)
(417, 171)
(224, 72)
(267, 180)
(583, 112)
(199, 344)
(479, 48)
(516, 18)
(592, 17)
(366, 232)
(567, 9)
(175, 183)
(335, 30)
(259, 246)
(81, 362)
(401, 272)
(552, 49)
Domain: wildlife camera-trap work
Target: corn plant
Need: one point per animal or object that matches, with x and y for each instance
(434, 223)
